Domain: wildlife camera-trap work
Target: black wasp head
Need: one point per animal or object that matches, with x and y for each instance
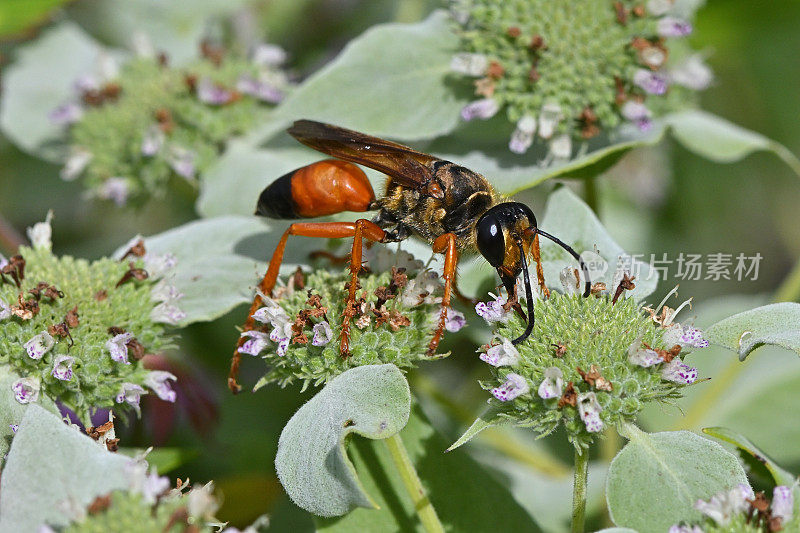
(499, 231)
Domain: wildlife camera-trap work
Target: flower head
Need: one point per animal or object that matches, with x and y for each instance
(482, 109)
(117, 347)
(502, 354)
(130, 393)
(322, 334)
(455, 321)
(158, 382)
(493, 310)
(552, 384)
(62, 367)
(40, 344)
(26, 390)
(724, 505)
(514, 387)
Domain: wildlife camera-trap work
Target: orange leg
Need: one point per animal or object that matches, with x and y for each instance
(329, 230)
(539, 272)
(445, 244)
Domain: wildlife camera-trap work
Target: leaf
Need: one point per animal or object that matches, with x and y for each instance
(51, 464)
(466, 496)
(11, 411)
(216, 261)
(372, 401)
(40, 80)
(17, 16)
(487, 419)
(777, 324)
(571, 220)
(779, 475)
(719, 140)
(654, 481)
(175, 28)
(392, 81)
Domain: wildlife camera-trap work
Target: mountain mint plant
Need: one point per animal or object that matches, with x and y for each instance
(76, 331)
(134, 127)
(565, 72)
(300, 327)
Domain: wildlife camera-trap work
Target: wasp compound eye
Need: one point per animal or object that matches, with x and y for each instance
(490, 239)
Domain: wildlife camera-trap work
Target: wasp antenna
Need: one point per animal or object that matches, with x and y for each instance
(574, 254)
(528, 299)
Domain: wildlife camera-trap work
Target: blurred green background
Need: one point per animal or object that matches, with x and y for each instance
(684, 204)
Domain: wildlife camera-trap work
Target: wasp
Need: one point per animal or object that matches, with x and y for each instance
(453, 208)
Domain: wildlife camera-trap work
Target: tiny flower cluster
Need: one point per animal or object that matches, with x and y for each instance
(566, 71)
(590, 362)
(392, 321)
(739, 509)
(149, 504)
(77, 331)
(131, 128)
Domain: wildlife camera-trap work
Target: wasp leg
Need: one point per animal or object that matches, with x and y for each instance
(537, 257)
(444, 244)
(328, 230)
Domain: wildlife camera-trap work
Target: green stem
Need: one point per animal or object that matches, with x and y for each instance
(590, 194)
(423, 506)
(579, 490)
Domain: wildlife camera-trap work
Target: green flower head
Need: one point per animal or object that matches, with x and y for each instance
(571, 70)
(591, 362)
(76, 330)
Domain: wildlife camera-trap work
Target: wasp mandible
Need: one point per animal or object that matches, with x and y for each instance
(451, 207)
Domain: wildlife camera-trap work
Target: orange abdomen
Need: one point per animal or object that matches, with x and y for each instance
(319, 189)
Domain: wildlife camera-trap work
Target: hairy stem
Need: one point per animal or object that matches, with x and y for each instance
(579, 490)
(422, 504)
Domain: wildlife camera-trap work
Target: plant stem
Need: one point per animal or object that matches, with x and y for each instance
(590, 195)
(579, 490)
(422, 504)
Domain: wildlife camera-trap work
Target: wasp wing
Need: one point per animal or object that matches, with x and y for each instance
(404, 165)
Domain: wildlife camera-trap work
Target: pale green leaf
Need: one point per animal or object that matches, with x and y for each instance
(719, 140)
(655, 480)
(41, 79)
(389, 82)
(220, 261)
(487, 419)
(175, 28)
(571, 220)
(372, 401)
(466, 496)
(777, 324)
(779, 475)
(617, 530)
(11, 411)
(51, 465)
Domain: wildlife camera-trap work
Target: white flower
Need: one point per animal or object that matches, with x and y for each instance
(268, 55)
(182, 162)
(141, 45)
(115, 189)
(570, 281)
(75, 164)
(270, 313)
(693, 73)
(688, 337)
(455, 321)
(157, 380)
(201, 502)
(167, 313)
(549, 118)
(159, 265)
(117, 347)
(483, 109)
(514, 387)
(421, 289)
(322, 334)
(62, 367)
(130, 393)
(685, 529)
(651, 82)
(41, 233)
(673, 27)
(469, 64)
(261, 88)
(503, 354)
(492, 311)
(644, 357)
(39, 345)
(26, 390)
(153, 141)
(782, 503)
(522, 138)
(5, 310)
(551, 386)
(255, 343)
(164, 292)
(678, 372)
(210, 93)
(638, 113)
(659, 7)
(66, 114)
(150, 486)
(724, 505)
(590, 409)
(561, 147)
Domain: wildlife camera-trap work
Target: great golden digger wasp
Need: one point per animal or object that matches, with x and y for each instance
(453, 208)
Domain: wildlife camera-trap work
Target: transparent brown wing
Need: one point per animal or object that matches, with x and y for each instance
(403, 164)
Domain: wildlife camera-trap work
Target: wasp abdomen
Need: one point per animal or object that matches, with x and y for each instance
(322, 188)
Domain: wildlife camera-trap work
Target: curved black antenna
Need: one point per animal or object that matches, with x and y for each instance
(574, 254)
(528, 297)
